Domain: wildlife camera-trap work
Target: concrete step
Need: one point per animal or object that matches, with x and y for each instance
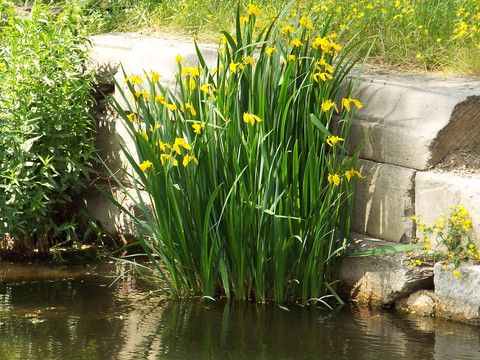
(113, 221)
(381, 280)
(415, 121)
(384, 202)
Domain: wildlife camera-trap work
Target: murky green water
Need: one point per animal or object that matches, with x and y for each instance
(50, 313)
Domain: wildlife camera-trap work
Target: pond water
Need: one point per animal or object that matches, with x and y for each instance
(77, 313)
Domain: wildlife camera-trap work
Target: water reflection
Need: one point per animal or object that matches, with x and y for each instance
(76, 314)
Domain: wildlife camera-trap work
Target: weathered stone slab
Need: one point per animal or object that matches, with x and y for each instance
(381, 280)
(384, 201)
(112, 220)
(109, 49)
(435, 192)
(415, 121)
(459, 299)
(422, 302)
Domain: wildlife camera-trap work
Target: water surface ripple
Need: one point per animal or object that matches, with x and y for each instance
(77, 313)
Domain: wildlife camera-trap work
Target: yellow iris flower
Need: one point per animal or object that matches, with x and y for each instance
(145, 165)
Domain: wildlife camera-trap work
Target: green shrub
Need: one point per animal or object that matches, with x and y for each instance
(46, 142)
(250, 189)
(448, 240)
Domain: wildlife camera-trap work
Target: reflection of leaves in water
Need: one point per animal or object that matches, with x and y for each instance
(79, 317)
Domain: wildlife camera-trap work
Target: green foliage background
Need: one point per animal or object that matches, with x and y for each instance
(46, 142)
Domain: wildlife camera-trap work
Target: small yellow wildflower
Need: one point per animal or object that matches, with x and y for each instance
(165, 157)
(145, 165)
(142, 94)
(306, 22)
(269, 50)
(296, 42)
(144, 135)
(194, 71)
(178, 58)
(326, 45)
(163, 146)
(414, 263)
(329, 104)
(133, 79)
(332, 140)
(197, 128)
(334, 178)
(243, 20)
(287, 30)
(180, 143)
(248, 60)
(322, 76)
(326, 65)
(352, 172)
(192, 84)
(251, 118)
(253, 10)
(171, 107)
(190, 108)
(132, 117)
(456, 273)
(206, 88)
(188, 158)
(160, 99)
(347, 101)
(440, 223)
(154, 76)
(234, 66)
(292, 57)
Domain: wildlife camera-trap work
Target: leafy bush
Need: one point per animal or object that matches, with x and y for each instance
(250, 186)
(46, 142)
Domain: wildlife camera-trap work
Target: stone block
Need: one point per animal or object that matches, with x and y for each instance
(435, 192)
(459, 299)
(381, 280)
(422, 302)
(415, 121)
(109, 49)
(112, 219)
(384, 202)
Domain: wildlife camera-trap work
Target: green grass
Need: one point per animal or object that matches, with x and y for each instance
(412, 35)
